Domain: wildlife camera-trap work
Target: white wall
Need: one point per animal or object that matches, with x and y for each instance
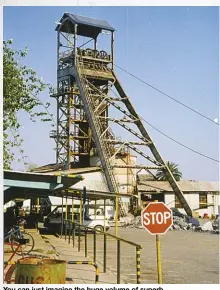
(126, 178)
(93, 181)
(58, 201)
(169, 200)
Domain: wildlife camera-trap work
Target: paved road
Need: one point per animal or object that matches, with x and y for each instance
(187, 257)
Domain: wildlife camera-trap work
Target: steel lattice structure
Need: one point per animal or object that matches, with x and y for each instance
(87, 92)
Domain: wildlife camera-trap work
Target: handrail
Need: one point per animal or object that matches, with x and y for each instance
(82, 228)
(107, 234)
(87, 263)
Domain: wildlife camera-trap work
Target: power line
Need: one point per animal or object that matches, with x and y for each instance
(201, 154)
(163, 93)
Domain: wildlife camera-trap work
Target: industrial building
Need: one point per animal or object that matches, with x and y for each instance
(202, 196)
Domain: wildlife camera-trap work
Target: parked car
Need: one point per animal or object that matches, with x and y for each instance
(53, 221)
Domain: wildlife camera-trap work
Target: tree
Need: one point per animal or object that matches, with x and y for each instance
(21, 88)
(160, 175)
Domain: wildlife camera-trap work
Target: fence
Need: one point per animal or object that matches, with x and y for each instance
(71, 228)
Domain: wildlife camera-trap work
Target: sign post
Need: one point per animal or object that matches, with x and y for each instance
(159, 265)
(157, 218)
(84, 202)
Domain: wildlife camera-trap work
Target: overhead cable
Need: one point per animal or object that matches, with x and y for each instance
(165, 94)
(199, 153)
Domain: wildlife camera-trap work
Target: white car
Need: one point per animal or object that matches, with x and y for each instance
(98, 224)
(53, 221)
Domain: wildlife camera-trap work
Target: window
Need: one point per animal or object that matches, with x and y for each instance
(177, 203)
(203, 200)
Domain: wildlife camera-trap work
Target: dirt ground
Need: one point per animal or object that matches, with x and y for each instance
(187, 257)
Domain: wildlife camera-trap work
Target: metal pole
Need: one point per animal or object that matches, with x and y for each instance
(86, 251)
(79, 238)
(57, 139)
(80, 209)
(94, 246)
(66, 219)
(74, 234)
(38, 204)
(118, 261)
(69, 230)
(66, 209)
(62, 220)
(69, 130)
(159, 266)
(105, 250)
(65, 224)
(84, 202)
(96, 274)
(72, 209)
(116, 216)
(75, 50)
(95, 209)
(112, 50)
(138, 263)
(104, 215)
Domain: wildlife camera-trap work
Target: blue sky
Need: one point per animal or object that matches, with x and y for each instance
(173, 48)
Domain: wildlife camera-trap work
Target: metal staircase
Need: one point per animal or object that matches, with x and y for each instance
(90, 108)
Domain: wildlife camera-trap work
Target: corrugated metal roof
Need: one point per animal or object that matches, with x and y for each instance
(185, 185)
(54, 168)
(83, 20)
(77, 170)
(78, 19)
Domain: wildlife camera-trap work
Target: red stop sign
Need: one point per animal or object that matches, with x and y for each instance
(156, 218)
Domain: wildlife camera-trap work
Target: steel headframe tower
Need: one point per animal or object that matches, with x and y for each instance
(88, 91)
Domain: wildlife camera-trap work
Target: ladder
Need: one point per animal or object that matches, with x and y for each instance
(97, 131)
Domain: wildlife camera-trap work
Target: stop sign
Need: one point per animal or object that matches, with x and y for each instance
(156, 218)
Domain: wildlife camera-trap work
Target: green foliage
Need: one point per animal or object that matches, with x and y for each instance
(21, 88)
(160, 175)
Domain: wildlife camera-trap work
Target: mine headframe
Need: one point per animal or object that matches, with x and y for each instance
(88, 93)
